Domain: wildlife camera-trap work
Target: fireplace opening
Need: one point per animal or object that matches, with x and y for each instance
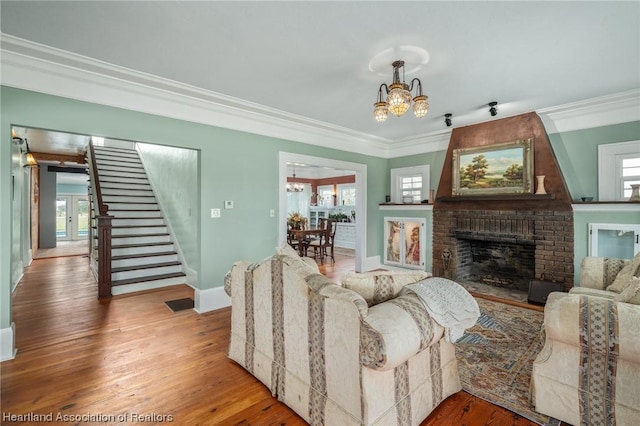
(495, 263)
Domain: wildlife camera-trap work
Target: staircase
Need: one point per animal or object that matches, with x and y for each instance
(142, 253)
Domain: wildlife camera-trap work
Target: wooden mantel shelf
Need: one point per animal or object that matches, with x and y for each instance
(499, 197)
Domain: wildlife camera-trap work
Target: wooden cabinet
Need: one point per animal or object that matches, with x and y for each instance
(616, 240)
(345, 235)
(315, 214)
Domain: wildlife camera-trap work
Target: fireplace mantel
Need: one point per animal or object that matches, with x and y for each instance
(500, 197)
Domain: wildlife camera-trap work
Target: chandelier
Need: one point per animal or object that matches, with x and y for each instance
(399, 97)
(294, 186)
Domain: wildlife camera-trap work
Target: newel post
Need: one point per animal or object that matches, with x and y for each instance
(104, 255)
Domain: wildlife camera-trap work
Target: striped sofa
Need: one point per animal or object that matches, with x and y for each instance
(326, 354)
(588, 372)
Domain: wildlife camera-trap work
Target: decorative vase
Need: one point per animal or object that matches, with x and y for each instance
(635, 193)
(540, 190)
(432, 197)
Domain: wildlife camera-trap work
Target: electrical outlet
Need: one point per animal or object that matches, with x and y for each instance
(272, 213)
(228, 204)
(215, 213)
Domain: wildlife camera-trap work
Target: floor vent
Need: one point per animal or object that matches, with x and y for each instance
(180, 304)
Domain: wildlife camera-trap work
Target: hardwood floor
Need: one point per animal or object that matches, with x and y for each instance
(134, 357)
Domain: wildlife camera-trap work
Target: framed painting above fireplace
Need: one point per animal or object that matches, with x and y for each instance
(505, 168)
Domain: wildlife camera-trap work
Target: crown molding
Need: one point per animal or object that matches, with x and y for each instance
(36, 67)
(427, 142)
(40, 68)
(617, 108)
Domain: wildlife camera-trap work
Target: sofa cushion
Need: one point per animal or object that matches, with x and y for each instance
(286, 250)
(623, 279)
(631, 294)
(379, 286)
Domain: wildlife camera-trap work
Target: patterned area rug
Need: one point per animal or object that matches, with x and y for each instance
(495, 357)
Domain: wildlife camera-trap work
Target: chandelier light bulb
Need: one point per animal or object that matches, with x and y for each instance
(420, 106)
(399, 99)
(380, 112)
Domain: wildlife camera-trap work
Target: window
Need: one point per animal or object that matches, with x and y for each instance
(630, 167)
(347, 195)
(325, 196)
(410, 182)
(618, 168)
(412, 187)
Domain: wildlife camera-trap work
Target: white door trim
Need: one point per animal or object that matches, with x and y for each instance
(361, 197)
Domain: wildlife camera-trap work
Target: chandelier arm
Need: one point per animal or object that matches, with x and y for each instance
(386, 90)
(419, 86)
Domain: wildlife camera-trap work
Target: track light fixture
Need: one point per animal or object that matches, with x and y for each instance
(447, 119)
(492, 108)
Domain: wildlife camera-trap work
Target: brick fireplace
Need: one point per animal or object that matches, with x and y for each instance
(505, 240)
(504, 247)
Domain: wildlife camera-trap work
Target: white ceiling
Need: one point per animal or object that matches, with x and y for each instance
(311, 59)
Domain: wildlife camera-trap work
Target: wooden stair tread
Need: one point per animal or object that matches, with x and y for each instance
(108, 178)
(160, 234)
(125, 189)
(102, 181)
(130, 202)
(134, 210)
(146, 279)
(140, 255)
(135, 226)
(125, 195)
(137, 217)
(145, 266)
(120, 246)
(102, 156)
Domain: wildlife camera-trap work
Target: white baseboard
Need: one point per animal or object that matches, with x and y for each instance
(7, 351)
(210, 299)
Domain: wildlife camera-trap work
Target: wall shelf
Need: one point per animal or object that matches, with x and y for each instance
(402, 206)
(499, 197)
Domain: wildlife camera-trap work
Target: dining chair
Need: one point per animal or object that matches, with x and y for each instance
(324, 240)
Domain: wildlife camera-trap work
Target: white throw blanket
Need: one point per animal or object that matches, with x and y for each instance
(448, 303)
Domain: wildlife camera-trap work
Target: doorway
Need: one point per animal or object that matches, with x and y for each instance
(72, 217)
(362, 263)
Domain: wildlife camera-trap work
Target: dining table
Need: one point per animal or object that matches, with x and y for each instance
(304, 236)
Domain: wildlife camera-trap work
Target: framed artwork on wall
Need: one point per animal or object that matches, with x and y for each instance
(505, 168)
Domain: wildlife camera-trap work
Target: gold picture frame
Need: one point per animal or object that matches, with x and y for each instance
(505, 168)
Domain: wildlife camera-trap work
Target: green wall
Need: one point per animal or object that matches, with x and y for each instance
(236, 166)
(577, 154)
(173, 173)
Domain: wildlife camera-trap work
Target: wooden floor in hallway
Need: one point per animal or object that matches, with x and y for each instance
(133, 359)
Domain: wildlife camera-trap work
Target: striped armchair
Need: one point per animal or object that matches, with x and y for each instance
(326, 354)
(588, 372)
